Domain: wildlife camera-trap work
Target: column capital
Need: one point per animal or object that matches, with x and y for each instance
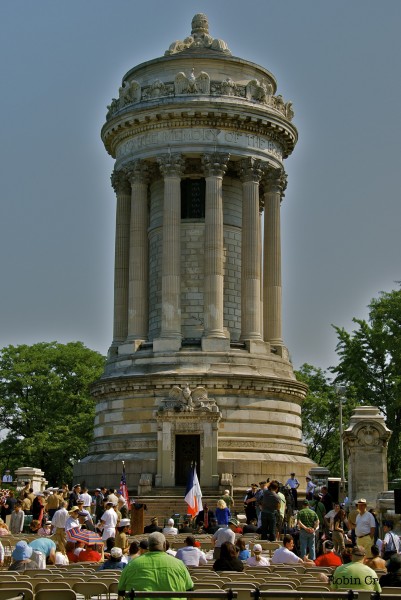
(171, 165)
(120, 182)
(215, 164)
(251, 169)
(137, 171)
(275, 180)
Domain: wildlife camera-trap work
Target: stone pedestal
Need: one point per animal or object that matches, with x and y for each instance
(35, 476)
(365, 445)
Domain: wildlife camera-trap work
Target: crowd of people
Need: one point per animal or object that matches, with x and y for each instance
(77, 526)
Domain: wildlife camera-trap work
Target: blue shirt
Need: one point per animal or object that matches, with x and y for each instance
(44, 545)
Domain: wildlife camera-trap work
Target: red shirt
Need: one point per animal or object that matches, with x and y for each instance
(328, 560)
(89, 555)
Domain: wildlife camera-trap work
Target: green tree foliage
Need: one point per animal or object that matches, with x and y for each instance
(370, 365)
(320, 418)
(46, 409)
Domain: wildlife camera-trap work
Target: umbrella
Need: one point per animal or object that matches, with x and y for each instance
(76, 534)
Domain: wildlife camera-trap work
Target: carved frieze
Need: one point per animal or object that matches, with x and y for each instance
(185, 400)
(193, 84)
(254, 91)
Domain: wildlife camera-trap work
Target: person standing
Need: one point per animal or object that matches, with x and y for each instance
(17, 519)
(365, 527)
(7, 477)
(310, 488)
(250, 503)
(109, 521)
(308, 523)
(270, 505)
(293, 484)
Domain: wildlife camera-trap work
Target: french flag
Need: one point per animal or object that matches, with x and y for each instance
(193, 494)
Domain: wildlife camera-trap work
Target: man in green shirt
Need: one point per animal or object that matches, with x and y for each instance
(155, 571)
(355, 575)
(308, 524)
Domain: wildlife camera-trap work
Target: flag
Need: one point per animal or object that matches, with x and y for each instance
(123, 487)
(193, 494)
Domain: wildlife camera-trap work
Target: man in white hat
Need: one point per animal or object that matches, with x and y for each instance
(365, 527)
(170, 529)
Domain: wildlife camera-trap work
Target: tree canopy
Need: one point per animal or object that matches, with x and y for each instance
(321, 417)
(370, 365)
(46, 411)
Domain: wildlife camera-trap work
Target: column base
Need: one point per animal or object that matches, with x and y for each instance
(257, 346)
(130, 347)
(280, 350)
(167, 345)
(215, 344)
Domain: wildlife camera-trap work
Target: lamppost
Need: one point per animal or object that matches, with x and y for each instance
(340, 391)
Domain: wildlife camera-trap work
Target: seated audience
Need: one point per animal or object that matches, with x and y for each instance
(22, 558)
(190, 555)
(243, 553)
(285, 554)
(115, 561)
(228, 560)
(90, 554)
(154, 526)
(376, 563)
(393, 576)
(170, 529)
(134, 550)
(329, 558)
(257, 560)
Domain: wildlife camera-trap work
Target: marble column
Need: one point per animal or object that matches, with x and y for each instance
(122, 188)
(171, 167)
(214, 165)
(275, 183)
(250, 174)
(139, 255)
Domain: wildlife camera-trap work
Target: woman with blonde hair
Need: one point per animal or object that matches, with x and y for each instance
(222, 513)
(257, 560)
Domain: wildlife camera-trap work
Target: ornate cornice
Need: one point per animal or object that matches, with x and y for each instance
(230, 120)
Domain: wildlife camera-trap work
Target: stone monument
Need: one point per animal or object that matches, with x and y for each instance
(365, 444)
(197, 369)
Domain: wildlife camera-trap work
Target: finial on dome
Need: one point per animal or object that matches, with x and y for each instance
(200, 24)
(199, 39)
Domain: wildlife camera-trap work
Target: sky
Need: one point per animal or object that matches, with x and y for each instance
(61, 62)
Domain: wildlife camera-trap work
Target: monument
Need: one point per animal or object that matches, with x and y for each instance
(365, 443)
(197, 370)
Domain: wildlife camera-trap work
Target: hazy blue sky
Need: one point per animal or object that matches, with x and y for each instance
(62, 62)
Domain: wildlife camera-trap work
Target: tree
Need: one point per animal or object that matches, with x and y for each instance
(370, 365)
(320, 418)
(47, 411)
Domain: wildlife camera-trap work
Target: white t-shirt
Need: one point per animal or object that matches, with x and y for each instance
(191, 556)
(86, 498)
(224, 534)
(262, 562)
(59, 518)
(70, 523)
(283, 555)
(364, 523)
(170, 531)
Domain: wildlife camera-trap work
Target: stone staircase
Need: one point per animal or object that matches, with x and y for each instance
(166, 502)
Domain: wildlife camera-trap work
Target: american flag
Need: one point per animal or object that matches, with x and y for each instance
(123, 486)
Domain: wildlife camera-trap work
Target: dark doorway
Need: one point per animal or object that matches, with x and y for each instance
(187, 451)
